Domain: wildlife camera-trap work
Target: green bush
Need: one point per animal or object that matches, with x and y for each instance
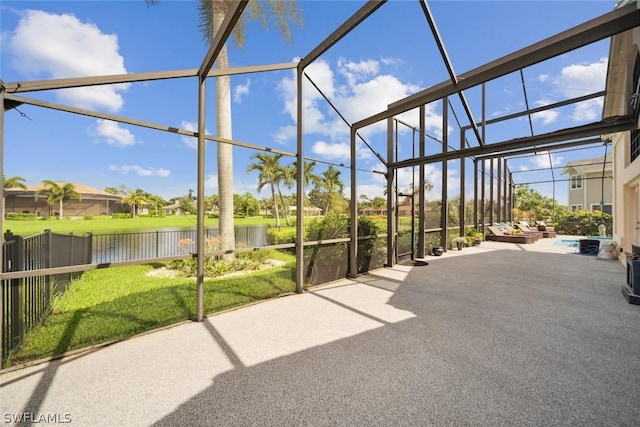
(582, 222)
(20, 216)
(277, 236)
(87, 217)
(215, 267)
(121, 215)
(328, 262)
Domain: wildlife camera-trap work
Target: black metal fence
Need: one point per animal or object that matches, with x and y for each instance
(166, 243)
(26, 301)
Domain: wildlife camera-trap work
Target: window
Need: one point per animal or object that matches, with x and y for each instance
(607, 208)
(576, 208)
(576, 182)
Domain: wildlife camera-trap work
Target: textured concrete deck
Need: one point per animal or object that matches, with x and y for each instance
(496, 334)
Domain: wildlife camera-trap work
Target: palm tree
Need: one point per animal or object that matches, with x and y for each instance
(134, 199)
(287, 176)
(212, 14)
(14, 182)
(308, 176)
(330, 181)
(59, 193)
(269, 167)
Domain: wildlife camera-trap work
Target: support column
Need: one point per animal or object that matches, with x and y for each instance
(444, 210)
(499, 191)
(200, 206)
(391, 196)
(2, 324)
(491, 205)
(505, 172)
(421, 184)
(461, 209)
(300, 188)
(475, 194)
(353, 248)
(483, 185)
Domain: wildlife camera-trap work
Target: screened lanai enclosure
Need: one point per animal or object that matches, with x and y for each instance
(444, 130)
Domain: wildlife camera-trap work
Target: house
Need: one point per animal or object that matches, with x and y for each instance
(622, 100)
(33, 199)
(309, 211)
(590, 184)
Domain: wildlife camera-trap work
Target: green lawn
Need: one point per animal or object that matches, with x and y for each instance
(116, 303)
(108, 225)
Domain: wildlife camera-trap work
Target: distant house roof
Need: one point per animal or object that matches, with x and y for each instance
(84, 190)
(588, 165)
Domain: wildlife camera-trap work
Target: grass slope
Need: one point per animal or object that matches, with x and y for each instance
(116, 303)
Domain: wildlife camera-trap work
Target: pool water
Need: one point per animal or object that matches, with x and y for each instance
(573, 243)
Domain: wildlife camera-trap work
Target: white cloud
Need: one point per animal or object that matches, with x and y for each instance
(240, 91)
(364, 92)
(211, 182)
(190, 141)
(388, 60)
(588, 111)
(541, 160)
(547, 116)
(340, 150)
(113, 134)
(332, 151)
(543, 78)
(357, 71)
(582, 79)
(140, 171)
(47, 45)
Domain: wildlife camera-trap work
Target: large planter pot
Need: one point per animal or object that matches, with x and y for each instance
(437, 250)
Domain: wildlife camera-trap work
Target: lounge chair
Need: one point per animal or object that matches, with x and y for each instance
(524, 226)
(509, 229)
(547, 231)
(497, 235)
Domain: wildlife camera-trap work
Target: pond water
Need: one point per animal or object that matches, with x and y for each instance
(166, 242)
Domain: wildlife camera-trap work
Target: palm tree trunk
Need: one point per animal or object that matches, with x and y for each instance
(286, 214)
(225, 151)
(326, 209)
(61, 211)
(275, 206)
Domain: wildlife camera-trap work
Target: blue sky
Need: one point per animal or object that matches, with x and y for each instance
(390, 56)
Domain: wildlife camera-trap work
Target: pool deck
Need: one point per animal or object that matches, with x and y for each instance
(498, 334)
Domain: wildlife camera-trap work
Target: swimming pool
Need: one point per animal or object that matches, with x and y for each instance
(573, 243)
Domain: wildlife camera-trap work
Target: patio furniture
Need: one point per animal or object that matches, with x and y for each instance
(509, 229)
(497, 235)
(547, 231)
(524, 226)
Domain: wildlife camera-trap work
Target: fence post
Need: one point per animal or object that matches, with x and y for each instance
(48, 248)
(89, 249)
(157, 243)
(17, 297)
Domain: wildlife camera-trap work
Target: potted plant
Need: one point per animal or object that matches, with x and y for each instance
(474, 238)
(460, 242)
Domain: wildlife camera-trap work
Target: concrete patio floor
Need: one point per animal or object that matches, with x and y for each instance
(492, 335)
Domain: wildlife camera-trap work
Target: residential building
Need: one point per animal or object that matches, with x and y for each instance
(92, 201)
(590, 184)
(622, 100)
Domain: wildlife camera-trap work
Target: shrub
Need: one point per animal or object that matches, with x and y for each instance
(276, 236)
(121, 215)
(582, 222)
(87, 217)
(20, 216)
